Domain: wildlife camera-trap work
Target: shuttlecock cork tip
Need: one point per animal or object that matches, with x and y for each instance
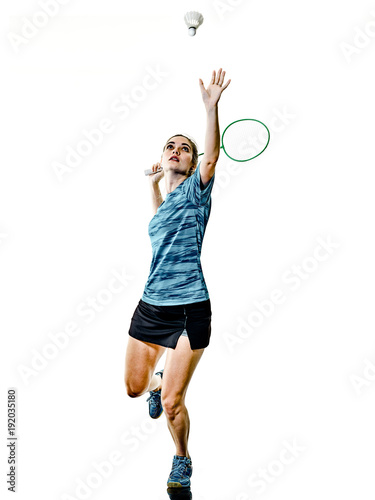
(193, 20)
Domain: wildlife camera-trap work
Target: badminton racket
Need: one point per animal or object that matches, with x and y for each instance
(242, 140)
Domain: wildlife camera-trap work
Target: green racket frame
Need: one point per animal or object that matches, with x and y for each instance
(242, 120)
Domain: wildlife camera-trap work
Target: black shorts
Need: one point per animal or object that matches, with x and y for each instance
(163, 325)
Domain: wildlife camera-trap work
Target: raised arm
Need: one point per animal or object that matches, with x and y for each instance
(211, 97)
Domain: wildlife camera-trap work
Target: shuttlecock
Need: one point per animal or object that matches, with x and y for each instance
(193, 20)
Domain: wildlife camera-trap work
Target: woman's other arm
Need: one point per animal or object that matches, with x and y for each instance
(156, 197)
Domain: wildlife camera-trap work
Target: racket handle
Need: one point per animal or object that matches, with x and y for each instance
(149, 171)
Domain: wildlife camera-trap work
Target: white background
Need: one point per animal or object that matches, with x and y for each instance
(306, 374)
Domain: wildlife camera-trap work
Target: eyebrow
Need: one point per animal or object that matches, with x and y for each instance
(183, 144)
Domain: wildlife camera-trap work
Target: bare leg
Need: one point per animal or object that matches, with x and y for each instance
(140, 362)
(179, 368)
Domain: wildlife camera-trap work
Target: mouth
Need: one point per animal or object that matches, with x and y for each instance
(174, 158)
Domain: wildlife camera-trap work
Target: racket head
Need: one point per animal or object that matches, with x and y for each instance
(245, 139)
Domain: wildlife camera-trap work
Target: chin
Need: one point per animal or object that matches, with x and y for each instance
(176, 167)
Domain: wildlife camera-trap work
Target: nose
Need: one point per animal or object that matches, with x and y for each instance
(176, 151)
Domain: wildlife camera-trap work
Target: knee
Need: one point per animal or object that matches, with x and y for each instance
(133, 394)
(133, 390)
(172, 406)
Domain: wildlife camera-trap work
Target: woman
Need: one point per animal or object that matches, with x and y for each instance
(174, 313)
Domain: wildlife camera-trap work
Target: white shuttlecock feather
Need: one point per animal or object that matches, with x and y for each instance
(193, 20)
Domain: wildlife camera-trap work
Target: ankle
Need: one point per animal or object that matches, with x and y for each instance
(158, 388)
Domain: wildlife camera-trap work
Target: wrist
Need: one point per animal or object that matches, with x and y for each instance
(154, 182)
(212, 108)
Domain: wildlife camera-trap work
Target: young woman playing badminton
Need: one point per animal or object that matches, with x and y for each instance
(174, 313)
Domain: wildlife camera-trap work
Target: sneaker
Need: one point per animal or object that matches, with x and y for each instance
(181, 472)
(155, 408)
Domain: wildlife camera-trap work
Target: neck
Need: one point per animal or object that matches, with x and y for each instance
(173, 179)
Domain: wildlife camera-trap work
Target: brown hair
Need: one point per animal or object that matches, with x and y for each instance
(194, 148)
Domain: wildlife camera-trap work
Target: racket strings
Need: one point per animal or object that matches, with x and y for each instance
(245, 139)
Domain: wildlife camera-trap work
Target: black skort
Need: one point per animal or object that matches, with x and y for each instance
(163, 325)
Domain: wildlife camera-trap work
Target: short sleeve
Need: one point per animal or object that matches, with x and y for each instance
(193, 190)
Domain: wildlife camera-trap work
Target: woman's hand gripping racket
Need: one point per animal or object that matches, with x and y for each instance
(156, 168)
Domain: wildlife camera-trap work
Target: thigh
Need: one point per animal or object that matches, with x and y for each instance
(179, 368)
(140, 362)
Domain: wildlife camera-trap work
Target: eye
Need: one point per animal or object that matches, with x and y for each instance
(186, 148)
(169, 146)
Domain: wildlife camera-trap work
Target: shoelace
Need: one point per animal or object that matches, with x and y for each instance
(178, 468)
(152, 395)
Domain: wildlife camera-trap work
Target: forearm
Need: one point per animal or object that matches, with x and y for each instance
(156, 197)
(212, 143)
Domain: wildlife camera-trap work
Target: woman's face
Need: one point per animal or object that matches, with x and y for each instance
(177, 155)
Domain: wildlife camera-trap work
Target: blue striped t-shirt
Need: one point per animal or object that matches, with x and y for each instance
(176, 232)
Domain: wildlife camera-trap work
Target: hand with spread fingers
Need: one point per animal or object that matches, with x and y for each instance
(212, 94)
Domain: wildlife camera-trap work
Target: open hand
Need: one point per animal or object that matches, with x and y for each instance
(212, 94)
